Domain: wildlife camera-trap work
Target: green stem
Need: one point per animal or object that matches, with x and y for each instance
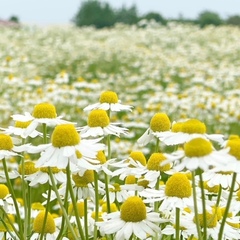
(157, 145)
(107, 193)
(203, 207)
(63, 218)
(29, 201)
(220, 235)
(46, 212)
(11, 190)
(70, 188)
(96, 203)
(177, 221)
(61, 203)
(44, 127)
(86, 217)
(195, 206)
(156, 204)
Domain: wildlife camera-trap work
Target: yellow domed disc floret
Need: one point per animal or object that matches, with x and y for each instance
(98, 118)
(138, 156)
(160, 122)
(38, 223)
(44, 110)
(6, 142)
(82, 181)
(193, 126)
(198, 147)
(108, 97)
(154, 162)
(234, 145)
(133, 210)
(65, 135)
(179, 186)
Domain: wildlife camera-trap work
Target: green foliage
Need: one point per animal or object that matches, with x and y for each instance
(233, 20)
(155, 16)
(127, 15)
(14, 19)
(94, 13)
(209, 18)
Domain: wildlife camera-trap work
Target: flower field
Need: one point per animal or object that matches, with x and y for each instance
(122, 133)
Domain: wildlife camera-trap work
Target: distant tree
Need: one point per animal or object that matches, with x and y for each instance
(127, 15)
(209, 18)
(14, 19)
(94, 13)
(233, 20)
(155, 16)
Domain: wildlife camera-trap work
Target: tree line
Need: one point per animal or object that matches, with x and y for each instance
(101, 14)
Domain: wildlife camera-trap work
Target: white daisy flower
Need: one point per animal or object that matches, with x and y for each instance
(7, 149)
(42, 176)
(50, 231)
(109, 101)
(159, 123)
(43, 113)
(98, 124)
(66, 146)
(199, 153)
(184, 131)
(20, 130)
(132, 219)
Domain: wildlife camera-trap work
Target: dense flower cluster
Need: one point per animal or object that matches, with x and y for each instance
(155, 162)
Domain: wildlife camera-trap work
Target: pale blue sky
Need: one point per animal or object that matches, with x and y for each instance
(45, 12)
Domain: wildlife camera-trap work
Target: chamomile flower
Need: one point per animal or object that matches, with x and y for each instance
(43, 113)
(98, 124)
(7, 149)
(5, 197)
(132, 219)
(66, 145)
(50, 231)
(109, 101)
(41, 176)
(184, 131)
(199, 153)
(19, 129)
(159, 123)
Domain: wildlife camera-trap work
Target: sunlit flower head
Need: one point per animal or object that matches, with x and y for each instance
(66, 145)
(132, 219)
(43, 113)
(109, 101)
(19, 129)
(99, 124)
(184, 131)
(49, 230)
(160, 122)
(199, 153)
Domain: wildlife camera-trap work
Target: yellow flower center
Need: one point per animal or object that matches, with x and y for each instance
(234, 146)
(101, 157)
(54, 169)
(19, 124)
(5, 227)
(29, 168)
(80, 207)
(217, 211)
(133, 210)
(160, 122)
(3, 191)
(179, 186)
(193, 126)
(37, 206)
(108, 97)
(154, 162)
(93, 216)
(98, 118)
(213, 189)
(177, 127)
(82, 181)
(65, 135)
(5, 142)
(113, 207)
(238, 195)
(138, 156)
(130, 179)
(197, 147)
(143, 182)
(116, 188)
(211, 220)
(38, 223)
(78, 154)
(44, 110)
